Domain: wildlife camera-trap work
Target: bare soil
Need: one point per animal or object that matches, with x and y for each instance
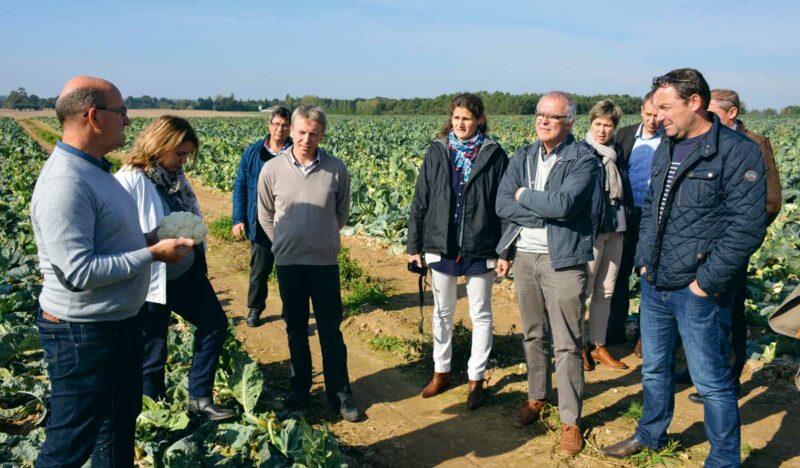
(403, 429)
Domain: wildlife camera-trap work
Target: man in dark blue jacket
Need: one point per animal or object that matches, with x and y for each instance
(546, 195)
(703, 216)
(245, 218)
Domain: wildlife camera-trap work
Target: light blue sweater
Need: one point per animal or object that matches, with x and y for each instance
(92, 253)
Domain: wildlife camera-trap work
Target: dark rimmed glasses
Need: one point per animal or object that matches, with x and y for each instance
(549, 117)
(123, 111)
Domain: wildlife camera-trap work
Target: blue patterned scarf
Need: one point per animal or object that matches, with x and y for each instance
(465, 152)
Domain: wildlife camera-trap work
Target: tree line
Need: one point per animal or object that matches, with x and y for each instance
(497, 103)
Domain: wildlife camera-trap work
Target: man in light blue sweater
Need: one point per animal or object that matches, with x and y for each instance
(96, 267)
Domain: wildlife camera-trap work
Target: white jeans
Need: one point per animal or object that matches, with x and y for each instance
(479, 293)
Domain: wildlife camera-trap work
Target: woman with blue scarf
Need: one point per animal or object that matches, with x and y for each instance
(453, 224)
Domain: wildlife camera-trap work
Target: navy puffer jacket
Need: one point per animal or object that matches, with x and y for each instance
(715, 215)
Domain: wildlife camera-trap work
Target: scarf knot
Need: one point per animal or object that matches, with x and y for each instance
(175, 187)
(613, 185)
(465, 152)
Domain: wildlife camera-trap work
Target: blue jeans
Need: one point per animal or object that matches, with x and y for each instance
(96, 391)
(191, 296)
(704, 325)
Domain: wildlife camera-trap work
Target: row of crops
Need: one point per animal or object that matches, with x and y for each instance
(383, 155)
(165, 436)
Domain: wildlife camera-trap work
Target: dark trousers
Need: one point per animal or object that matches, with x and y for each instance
(96, 391)
(620, 300)
(261, 262)
(320, 284)
(739, 323)
(192, 297)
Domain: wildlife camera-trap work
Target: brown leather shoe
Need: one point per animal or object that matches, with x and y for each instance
(601, 354)
(475, 396)
(637, 350)
(571, 440)
(439, 381)
(588, 362)
(527, 413)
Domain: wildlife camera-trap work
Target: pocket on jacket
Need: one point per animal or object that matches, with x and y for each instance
(700, 188)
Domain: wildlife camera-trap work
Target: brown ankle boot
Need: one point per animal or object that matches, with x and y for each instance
(439, 381)
(571, 440)
(475, 396)
(588, 362)
(527, 413)
(601, 354)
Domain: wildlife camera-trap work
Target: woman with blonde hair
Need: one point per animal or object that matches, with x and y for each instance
(153, 175)
(615, 196)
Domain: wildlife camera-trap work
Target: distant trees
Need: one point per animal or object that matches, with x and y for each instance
(497, 103)
(19, 99)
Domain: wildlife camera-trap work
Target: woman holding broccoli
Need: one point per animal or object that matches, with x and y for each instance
(153, 175)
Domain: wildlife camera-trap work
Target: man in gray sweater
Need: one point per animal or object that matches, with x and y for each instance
(96, 267)
(303, 202)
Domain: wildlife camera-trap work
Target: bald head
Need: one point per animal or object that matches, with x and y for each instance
(80, 93)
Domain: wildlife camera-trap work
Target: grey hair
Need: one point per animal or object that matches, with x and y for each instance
(572, 108)
(77, 102)
(314, 113)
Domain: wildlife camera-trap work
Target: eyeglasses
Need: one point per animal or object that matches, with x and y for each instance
(282, 125)
(549, 117)
(665, 80)
(123, 111)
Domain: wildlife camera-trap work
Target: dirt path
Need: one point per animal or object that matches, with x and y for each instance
(402, 429)
(30, 126)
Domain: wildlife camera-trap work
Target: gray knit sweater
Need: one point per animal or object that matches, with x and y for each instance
(302, 214)
(92, 254)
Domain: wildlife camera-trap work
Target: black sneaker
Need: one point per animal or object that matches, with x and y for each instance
(254, 318)
(347, 408)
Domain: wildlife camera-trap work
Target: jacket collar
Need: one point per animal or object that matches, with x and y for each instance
(484, 153)
(568, 151)
(707, 147)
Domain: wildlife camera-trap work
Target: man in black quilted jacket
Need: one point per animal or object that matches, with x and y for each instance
(704, 215)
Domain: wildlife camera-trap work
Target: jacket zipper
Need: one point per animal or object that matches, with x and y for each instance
(463, 211)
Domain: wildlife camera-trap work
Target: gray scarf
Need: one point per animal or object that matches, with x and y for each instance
(613, 186)
(175, 186)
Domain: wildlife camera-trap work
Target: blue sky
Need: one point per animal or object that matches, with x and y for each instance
(409, 48)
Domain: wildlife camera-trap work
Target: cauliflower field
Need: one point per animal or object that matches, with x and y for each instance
(165, 436)
(383, 155)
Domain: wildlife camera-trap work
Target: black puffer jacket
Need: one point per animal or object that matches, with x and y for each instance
(432, 209)
(715, 216)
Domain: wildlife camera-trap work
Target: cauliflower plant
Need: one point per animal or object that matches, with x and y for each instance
(182, 224)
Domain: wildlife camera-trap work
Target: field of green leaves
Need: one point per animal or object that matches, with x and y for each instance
(383, 155)
(165, 436)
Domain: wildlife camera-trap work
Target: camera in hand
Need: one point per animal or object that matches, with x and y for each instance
(420, 270)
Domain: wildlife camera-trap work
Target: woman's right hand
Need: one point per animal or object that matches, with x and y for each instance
(415, 259)
(238, 231)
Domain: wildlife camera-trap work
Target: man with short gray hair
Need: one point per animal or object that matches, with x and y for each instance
(547, 196)
(96, 267)
(303, 203)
